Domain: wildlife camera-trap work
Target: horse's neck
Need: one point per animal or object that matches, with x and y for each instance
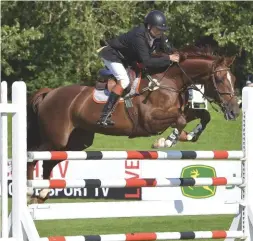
(195, 70)
(190, 71)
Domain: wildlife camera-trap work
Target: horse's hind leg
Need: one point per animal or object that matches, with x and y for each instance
(30, 171)
(79, 140)
(60, 140)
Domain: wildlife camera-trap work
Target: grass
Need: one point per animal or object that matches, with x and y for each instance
(219, 135)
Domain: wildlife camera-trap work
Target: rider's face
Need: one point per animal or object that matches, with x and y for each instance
(155, 32)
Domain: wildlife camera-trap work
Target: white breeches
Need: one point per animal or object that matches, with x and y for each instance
(119, 71)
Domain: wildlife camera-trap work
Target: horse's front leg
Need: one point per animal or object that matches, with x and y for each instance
(205, 118)
(173, 138)
(193, 136)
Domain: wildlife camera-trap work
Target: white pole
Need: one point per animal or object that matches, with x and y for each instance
(247, 147)
(19, 157)
(4, 163)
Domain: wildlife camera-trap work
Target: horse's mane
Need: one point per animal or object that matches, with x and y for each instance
(191, 51)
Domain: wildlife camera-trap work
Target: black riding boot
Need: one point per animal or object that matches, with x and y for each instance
(105, 118)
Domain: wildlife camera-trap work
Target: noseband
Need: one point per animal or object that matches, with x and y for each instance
(222, 104)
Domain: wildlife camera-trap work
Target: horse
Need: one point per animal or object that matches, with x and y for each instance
(64, 118)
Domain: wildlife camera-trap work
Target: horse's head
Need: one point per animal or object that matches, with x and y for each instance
(221, 87)
(200, 66)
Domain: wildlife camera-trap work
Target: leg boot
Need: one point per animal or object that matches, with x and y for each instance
(105, 118)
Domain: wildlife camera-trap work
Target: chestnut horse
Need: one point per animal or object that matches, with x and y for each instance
(65, 118)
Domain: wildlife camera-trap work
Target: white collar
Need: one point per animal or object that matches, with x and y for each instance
(150, 40)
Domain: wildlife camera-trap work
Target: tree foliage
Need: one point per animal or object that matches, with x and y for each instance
(49, 44)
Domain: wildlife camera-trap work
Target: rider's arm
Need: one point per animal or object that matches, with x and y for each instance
(142, 51)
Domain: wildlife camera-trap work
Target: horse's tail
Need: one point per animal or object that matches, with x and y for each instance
(33, 133)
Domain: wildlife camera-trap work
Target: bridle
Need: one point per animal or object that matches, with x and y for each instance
(156, 84)
(232, 94)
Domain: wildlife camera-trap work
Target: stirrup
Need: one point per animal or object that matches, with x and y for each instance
(106, 121)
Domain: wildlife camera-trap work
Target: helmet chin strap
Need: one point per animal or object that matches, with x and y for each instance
(151, 35)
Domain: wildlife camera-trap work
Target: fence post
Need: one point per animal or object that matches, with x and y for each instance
(19, 158)
(4, 162)
(247, 163)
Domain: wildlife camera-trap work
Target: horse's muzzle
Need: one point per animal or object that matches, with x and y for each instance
(231, 110)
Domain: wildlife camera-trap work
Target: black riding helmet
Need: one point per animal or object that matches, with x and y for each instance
(157, 19)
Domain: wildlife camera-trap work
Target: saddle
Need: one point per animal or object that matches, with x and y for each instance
(106, 80)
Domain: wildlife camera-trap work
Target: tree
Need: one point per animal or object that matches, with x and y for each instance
(49, 44)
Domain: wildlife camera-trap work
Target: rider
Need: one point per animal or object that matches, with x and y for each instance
(134, 46)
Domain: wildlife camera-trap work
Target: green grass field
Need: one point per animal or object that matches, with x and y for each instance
(220, 134)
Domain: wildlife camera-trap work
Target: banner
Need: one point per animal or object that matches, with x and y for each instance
(91, 169)
(194, 169)
(102, 169)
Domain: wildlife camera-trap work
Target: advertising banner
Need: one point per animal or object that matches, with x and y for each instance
(91, 169)
(99, 169)
(194, 169)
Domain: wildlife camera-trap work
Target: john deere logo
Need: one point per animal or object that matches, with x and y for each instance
(197, 171)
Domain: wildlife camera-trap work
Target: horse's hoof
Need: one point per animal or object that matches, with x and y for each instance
(190, 136)
(29, 200)
(183, 136)
(36, 200)
(159, 143)
(169, 143)
(193, 137)
(32, 200)
(29, 196)
(43, 195)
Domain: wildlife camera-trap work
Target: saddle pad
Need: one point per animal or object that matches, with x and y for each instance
(101, 96)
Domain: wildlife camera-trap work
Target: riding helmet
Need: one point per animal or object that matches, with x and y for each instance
(157, 19)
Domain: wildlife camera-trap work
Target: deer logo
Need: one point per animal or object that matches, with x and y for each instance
(194, 174)
(197, 171)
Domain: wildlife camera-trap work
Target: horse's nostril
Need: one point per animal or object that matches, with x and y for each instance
(233, 115)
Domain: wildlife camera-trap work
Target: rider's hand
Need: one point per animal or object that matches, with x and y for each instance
(174, 57)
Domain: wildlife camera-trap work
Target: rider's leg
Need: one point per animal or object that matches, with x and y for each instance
(119, 72)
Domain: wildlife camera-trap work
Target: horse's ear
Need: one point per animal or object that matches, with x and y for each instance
(220, 60)
(229, 60)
